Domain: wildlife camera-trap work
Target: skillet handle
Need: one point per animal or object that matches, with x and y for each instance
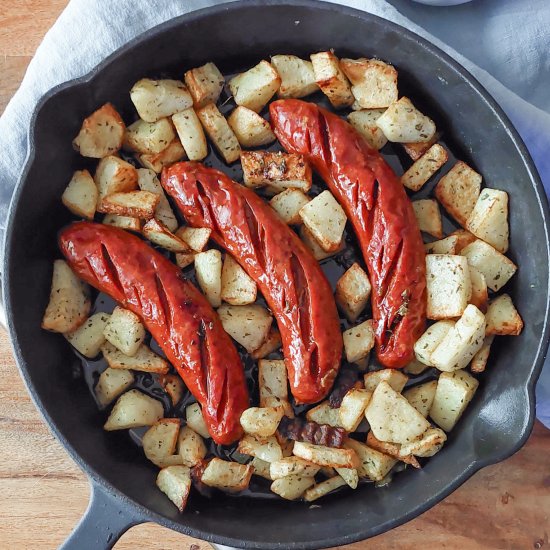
(104, 522)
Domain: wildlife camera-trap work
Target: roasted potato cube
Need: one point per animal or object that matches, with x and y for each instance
(421, 397)
(133, 204)
(495, 267)
(292, 487)
(125, 331)
(124, 222)
(358, 341)
(219, 132)
(155, 99)
(326, 456)
(175, 483)
(480, 359)
(458, 191)
(80, 195)
(88, 338)
(448, 245)
(364, 121)
(255, 87)
(331, 79)
(297, 76)
(250, 128)
(448, 284)
(158, 234)
(454, 391)
(172, 384)
(350, 476)
(372, 463)
(314, 246)
(148, 181)
(292, 466)
(144, 360)
(261, 468)
(271, 344)
(416, 150)
(101, 133)
(464, 238)
(132, 410)
(391, 449)
(374, 83)
(114, 175)
(159, 442)
(196, 237)
(288, 205)
(392, 418)
(424, 168)
(227, 476)
(248, 325)
(237, 287)
(166, 157)
(324, 414)
(112, 383)
(191, 134)
(480, 296)
(462, 341)
(183, 259)
(205, 84)
(352, 409)
(503, 318)
(208, 270)
(272, 380)
(324, 488)
(278, 170)
(404, 123)
(261, 421)
(266, 448)
(428, 445)
(353, 291)
(69, 303)
(415, 367)
(428, 342)
(393, 377)
(326, 220)
(149, 138)
(195, 420)
(191, 447)
(489, 218)
(428, 217)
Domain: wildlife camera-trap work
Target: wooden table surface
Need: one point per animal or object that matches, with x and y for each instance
(43, 494)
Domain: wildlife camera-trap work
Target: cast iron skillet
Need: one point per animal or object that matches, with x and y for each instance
(235, 36)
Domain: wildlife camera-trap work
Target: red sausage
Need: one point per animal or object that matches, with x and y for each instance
(177, 315)
(288, 276)
(381, 214)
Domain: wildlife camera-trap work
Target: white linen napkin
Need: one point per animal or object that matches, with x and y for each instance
(66, 53)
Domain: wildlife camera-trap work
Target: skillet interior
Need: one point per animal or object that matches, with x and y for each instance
(236, 36)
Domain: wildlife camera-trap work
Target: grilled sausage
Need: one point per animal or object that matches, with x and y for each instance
(380, 212)
(289, 278)
(178, 316)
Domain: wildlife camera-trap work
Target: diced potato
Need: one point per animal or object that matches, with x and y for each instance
(364, 121)
(191, 447)
(372, 463)
(448, 285)
(428, 342)
(255, 87)
(134, 409)
(391, 449)
(415, 367)
(208, 270)
(428, 217)
(183, 259)
(480, 359)
(464, 238)
(166, 157)
(155, 99)
(392, 418)
(279, 170)
(291, 466)
(195, 420)
(134, 204)
(227, 476)
(404, 123)
(220, 132)
(350, 476)
(111, 384)
(416, 150)
(125, 331)
(191, 134)
(250, 128)
(261, 421)
(480, 296)
(272, 343)
(69, 303)
(148, 181)
(458, 191)
(237, 287)
(503, 318)
(288, 205)
(292, 487)
(448, 245)
(88, 338)
(297, 76)
(159, 442)
(421, 397)
(124, 222)
(454, 392)
(149, 138)
(261, 468)
(324, 414)
(396, 379)
(80, 195)
(374, 83)
(495, 267)
(326, 220)
(324, 488)
(313, 245)
(175, 483)
(173, 386)
(358, 341)
(205, 84)
(248, 325)
(159, 234)
(196, 237)
(272, 380)
(352, 409)
(144, 360)
(267, 448)
(114, 175)
(489, 218)
(462, 341)
(424, 168)
(326, 456)
(428, 445)
(331, 79)
(353, 291)
(101, 133)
